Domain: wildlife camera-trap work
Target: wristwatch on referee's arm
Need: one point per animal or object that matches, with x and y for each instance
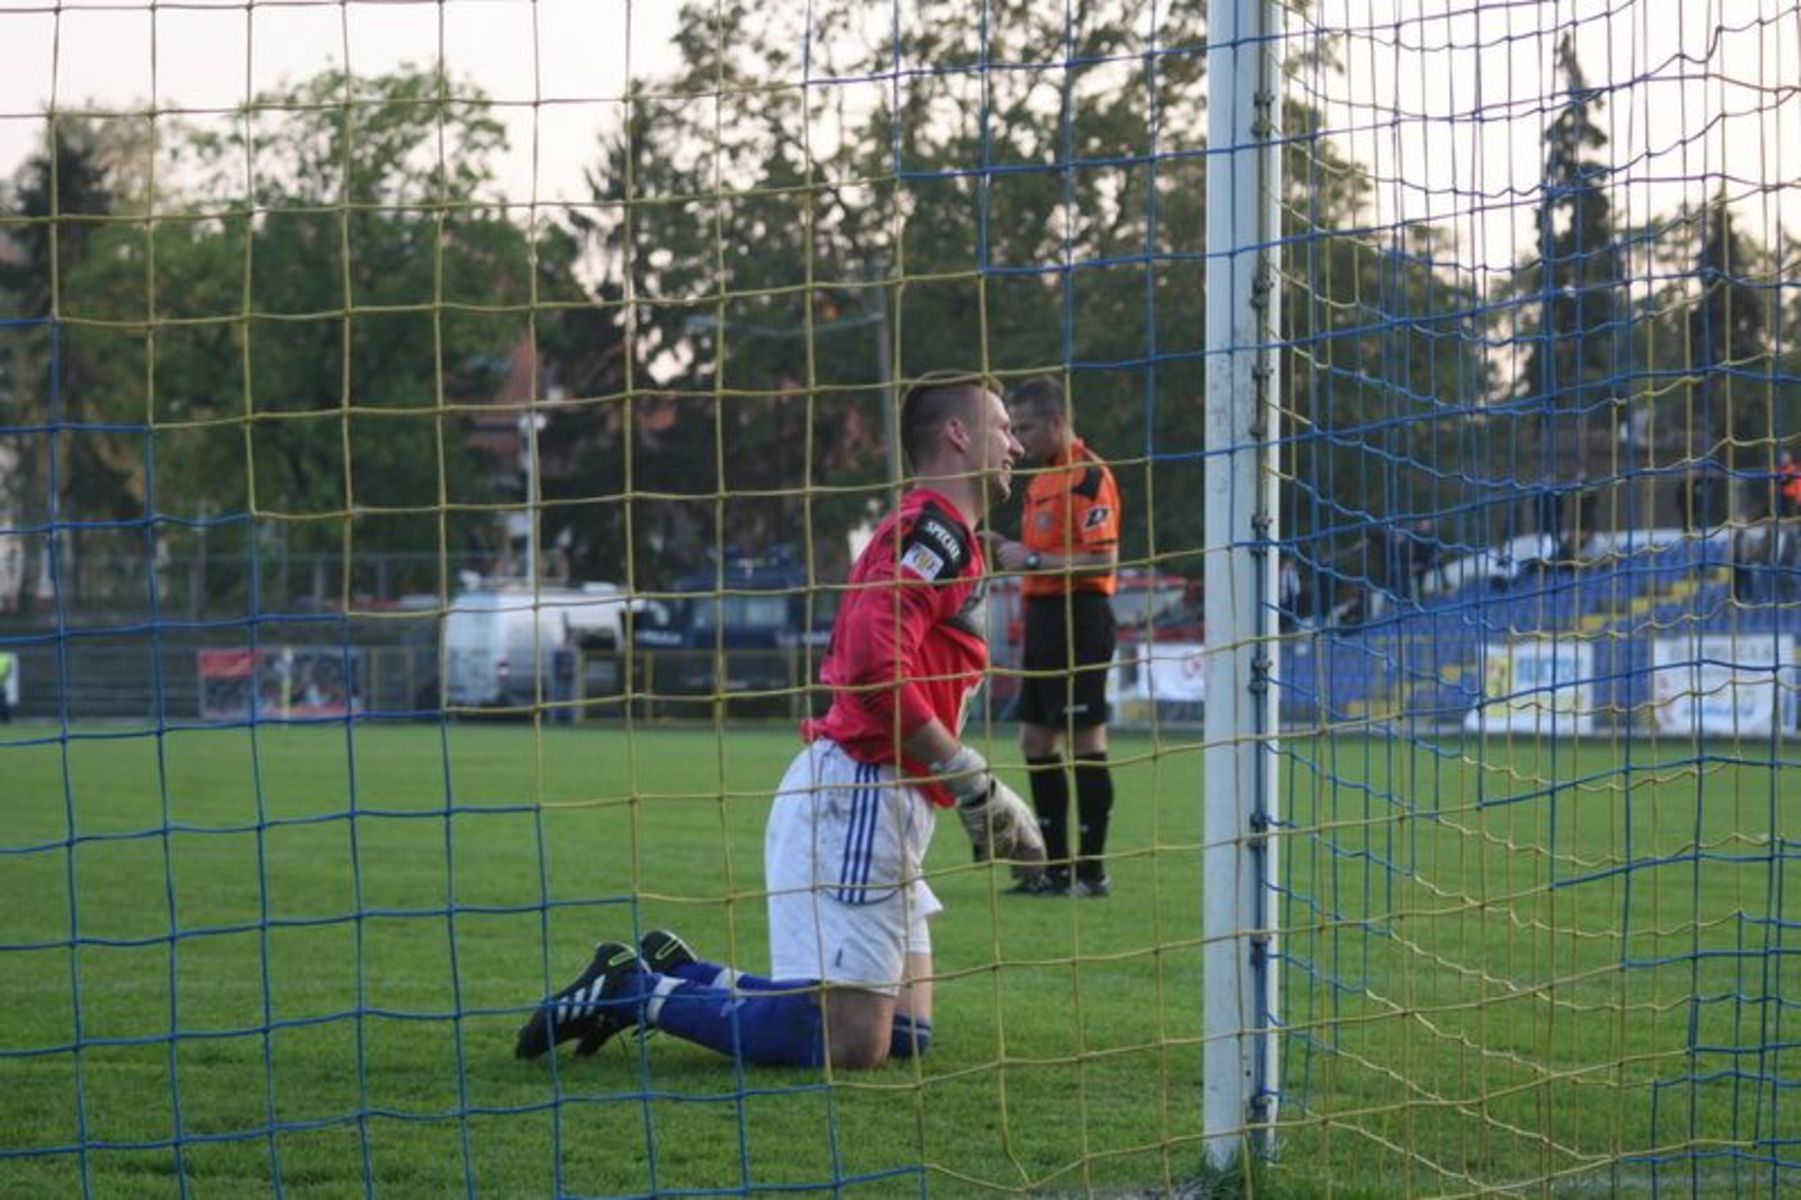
(1034, 560)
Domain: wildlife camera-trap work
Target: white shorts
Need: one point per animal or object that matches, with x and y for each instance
(842, 858)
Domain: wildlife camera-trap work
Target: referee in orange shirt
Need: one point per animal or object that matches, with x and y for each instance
(1068, 553)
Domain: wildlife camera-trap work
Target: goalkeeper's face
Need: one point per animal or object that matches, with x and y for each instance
(1000, 450)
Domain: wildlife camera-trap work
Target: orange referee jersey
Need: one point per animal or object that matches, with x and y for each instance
(1071, 507)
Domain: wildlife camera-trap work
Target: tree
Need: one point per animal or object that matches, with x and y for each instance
(1384, 382)
(314, 327)
(1575, 342)
(1728, 336)
(1010, 195)
(57, 205)
(783, 274)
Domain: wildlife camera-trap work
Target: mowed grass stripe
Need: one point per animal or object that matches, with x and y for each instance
(304, 951)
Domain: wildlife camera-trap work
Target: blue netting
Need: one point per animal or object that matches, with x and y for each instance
(1540, 679)
(288, 856)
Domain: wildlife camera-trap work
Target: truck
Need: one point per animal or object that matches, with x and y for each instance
(512, 644)
(757, 615)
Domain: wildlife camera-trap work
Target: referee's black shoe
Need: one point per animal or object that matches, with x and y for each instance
(1044, 883)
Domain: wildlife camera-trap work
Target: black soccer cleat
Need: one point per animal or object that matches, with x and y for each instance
(590, 1008)
(663, 950)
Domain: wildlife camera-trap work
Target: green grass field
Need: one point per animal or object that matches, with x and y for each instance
(302, 954)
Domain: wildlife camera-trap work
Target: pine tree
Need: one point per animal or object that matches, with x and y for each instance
(59, 201)
(1728, 341)
(1573, 294)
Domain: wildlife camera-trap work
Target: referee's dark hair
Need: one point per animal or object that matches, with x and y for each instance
(1042, 396)
(933, 399)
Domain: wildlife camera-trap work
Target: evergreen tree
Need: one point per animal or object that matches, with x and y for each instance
(58, 205)
(1574, 293)
(1728, 339)
(1384, 372)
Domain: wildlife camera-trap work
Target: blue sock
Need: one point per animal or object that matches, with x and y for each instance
(911, 1036)
(767, 1029)
(711, 974)
(908, 1037)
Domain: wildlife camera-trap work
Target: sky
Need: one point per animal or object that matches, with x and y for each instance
(1697, 97)
(1699, 93)
(555, 67)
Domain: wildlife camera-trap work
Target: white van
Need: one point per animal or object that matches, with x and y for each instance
(500, 642)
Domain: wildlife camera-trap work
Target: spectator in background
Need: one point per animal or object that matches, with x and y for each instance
(1550, 511)
(1785, 555)
(1375, 572)
(1389, 565)
(1288, 594)
(1751, 555)
(1788, 485)
(1350, 604)
(1425, 552)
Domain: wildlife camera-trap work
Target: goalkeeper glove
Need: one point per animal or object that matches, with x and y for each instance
(999, 824)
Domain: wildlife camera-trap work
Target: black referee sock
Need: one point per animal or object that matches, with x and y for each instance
(1050, 799)
(1094, 802)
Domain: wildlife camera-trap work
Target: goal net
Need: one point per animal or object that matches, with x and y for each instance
(434, 440)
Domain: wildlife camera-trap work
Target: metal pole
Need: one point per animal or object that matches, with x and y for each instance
(884, 360)
(530, 423)
(1239, 867)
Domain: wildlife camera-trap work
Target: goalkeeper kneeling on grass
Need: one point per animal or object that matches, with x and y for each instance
(850, 944)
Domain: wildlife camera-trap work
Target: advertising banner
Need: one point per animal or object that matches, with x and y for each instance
(1172, 672)
(278, 683)
(1724, 685)
(1538, 686)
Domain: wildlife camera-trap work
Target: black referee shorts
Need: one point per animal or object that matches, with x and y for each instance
(1068, 651)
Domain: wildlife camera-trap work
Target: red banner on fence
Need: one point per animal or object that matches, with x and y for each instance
(277, 683)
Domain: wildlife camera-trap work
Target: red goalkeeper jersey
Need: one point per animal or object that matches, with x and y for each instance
(907, 644)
